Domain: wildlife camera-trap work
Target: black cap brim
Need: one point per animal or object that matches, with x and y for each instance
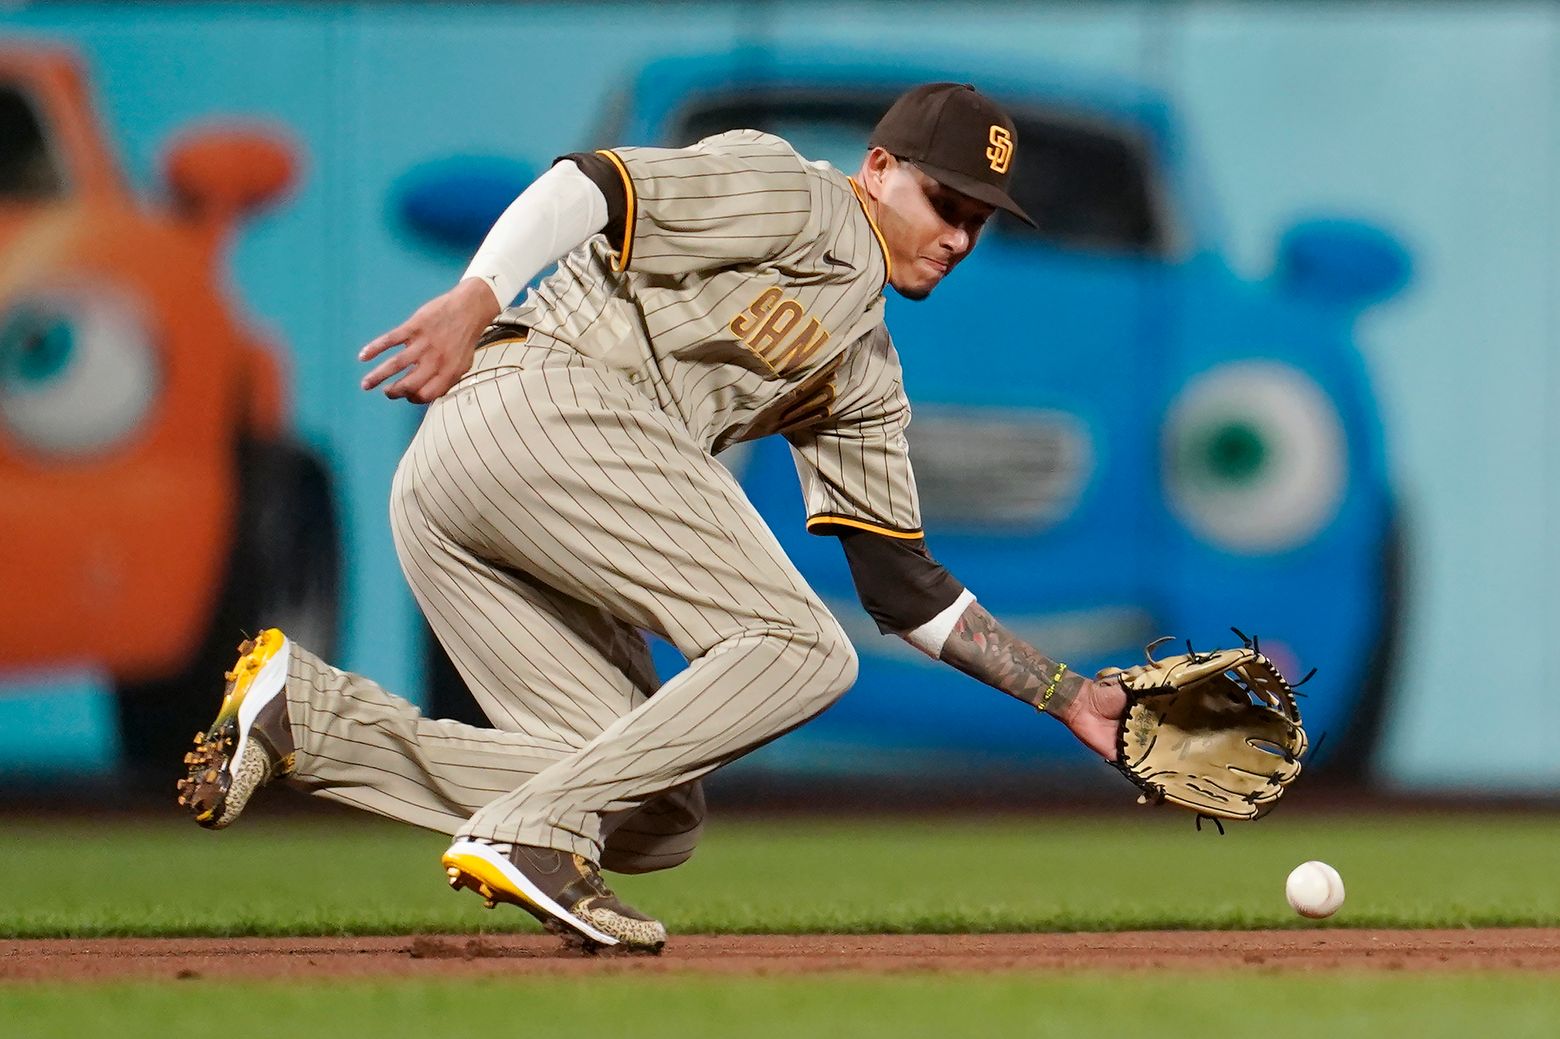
(976, 189)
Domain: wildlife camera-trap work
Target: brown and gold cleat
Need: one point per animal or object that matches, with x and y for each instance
(564, 892)
(250, 743)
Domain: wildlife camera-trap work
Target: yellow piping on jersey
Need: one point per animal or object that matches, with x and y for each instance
(628, 215)
(515, 340)
(888, 264)
(845, 521)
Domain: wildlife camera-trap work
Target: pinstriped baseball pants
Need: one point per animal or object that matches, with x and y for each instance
(546, 511)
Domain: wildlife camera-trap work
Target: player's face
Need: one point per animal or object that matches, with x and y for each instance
(928, 227)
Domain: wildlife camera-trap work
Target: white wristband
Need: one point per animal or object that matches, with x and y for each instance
(553, 216)
(930, 637)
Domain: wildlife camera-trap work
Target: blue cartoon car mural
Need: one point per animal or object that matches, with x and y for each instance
(1115, 437)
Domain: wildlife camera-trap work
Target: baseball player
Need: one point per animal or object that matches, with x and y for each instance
(562, 495)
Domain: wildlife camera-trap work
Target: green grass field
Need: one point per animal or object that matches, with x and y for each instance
(897, 1007)
(279, 875)
(1130, 870)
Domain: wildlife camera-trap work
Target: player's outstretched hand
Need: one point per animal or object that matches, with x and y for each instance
(437, 343)
(1095, 714)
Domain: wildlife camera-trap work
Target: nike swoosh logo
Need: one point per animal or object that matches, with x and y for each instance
(833, 260)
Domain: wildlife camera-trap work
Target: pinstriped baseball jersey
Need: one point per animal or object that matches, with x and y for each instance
(747, 299)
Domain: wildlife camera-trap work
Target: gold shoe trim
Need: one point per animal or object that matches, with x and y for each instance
(481, 876)
(481, 870)
(253, 656)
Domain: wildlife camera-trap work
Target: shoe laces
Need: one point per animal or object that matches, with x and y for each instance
(591, 876)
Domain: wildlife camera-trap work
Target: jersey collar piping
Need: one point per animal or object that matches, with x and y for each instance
(888, 265)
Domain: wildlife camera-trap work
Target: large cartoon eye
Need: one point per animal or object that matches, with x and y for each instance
(1254, 457)
(77, 372)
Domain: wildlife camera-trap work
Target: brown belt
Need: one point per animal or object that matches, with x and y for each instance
(496, 334)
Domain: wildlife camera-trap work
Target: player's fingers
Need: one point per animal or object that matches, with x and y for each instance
(390, 367)
(376, 346)
(379, 344)
(435, 387)
(423, 383)
(431, 381)
(406, 387)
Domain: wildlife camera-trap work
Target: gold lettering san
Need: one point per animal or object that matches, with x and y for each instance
(801, 347)
(744, 323)
(779, 331)
(781, 320)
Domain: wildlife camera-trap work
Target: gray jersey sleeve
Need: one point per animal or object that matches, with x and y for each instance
(739, 197)
(855, 466)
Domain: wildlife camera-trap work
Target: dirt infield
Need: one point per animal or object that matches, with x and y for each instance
(109, 959)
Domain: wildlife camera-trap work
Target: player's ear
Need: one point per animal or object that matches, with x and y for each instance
(874, 168)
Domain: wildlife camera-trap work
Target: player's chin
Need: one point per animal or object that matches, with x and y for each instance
(917, 288)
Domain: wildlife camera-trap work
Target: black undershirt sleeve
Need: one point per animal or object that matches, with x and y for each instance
(606, 177)
(899, 583)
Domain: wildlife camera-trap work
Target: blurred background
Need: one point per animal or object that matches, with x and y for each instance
(1282, 353)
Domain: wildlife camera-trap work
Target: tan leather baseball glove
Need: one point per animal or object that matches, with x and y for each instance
(1218, 733)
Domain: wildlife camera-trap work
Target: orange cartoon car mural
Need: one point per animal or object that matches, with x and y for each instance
(151, 503)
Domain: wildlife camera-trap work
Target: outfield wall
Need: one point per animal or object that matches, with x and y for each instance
(1434, 124)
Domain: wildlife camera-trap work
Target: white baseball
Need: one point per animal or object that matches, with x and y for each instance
(1314, 889)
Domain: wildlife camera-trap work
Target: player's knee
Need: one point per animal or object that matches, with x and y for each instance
(833, 663)
(844, 654)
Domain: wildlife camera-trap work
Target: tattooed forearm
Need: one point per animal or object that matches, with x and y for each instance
(982, 648)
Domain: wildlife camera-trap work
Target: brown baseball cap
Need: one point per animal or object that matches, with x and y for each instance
(958, 136)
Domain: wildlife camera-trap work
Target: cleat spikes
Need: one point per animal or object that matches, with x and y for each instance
(218, 783)
(490, 904)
